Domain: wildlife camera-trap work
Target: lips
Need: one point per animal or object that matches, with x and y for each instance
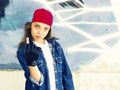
(38, 36)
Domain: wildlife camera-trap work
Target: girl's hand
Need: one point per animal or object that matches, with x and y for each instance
(32, 54)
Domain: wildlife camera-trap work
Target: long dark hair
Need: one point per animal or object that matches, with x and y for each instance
(27, 33)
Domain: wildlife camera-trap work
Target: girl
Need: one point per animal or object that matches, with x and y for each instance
(42, 57)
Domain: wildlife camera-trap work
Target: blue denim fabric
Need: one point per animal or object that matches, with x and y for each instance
(63, 74)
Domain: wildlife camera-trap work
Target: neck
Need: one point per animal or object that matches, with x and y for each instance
(40, 41)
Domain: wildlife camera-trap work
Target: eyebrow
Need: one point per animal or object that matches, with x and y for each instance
(40, 25)
(37, 24)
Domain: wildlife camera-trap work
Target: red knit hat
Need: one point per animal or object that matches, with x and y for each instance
(43, 15)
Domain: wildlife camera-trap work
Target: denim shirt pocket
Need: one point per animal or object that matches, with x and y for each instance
(40, 65)
(59, 64)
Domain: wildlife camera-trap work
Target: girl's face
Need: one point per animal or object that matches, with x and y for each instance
(39, 31)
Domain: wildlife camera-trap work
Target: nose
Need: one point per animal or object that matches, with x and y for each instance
(40, 31)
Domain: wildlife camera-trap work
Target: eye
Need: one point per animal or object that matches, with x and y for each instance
(46, 29)
(37, 26)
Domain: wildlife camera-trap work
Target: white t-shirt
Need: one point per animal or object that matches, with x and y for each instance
(50, 64)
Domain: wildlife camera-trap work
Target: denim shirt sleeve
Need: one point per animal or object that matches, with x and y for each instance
(66, 73)
(34, 81)
(23, 63)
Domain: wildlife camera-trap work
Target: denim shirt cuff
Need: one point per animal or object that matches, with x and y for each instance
(38, 83)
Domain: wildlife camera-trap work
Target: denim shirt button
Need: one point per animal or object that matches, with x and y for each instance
(55, 80)
(55, 71)
(33, 85)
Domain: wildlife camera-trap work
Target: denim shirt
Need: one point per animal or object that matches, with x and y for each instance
(63, 76)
